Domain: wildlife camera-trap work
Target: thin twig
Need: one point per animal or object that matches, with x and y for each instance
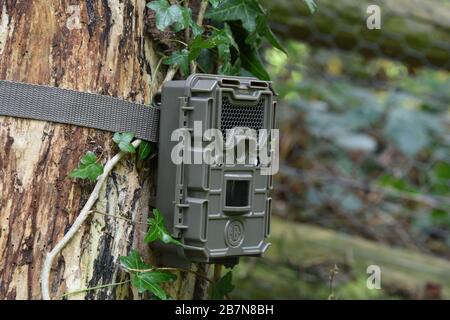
(211, 27)
(151, 56)
(200, 18)
(187, 32)
(158, 65)
(217, 272)
(201, 12)
(87, 209)
(84, 214)
(93, 288)
(174, 269)
(333, 272)
(169, 75)
(154, 87)
(178, 41)
(119, 217)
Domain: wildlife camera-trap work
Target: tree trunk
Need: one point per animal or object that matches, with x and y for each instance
(412, 31)
(95, 46)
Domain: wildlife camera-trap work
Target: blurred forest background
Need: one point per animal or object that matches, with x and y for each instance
(365, 154)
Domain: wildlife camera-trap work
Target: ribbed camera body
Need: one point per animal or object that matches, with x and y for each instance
(220, 209)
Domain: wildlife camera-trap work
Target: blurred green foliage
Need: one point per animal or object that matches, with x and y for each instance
(370, 143)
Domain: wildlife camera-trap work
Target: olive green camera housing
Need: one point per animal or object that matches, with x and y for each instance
(218, 212)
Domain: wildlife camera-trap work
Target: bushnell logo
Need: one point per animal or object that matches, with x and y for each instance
(374, 19)
(234, 233)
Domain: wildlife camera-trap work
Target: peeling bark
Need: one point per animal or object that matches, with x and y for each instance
(95, 46)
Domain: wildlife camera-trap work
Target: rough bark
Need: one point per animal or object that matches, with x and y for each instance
(95, 46)
(415, 32)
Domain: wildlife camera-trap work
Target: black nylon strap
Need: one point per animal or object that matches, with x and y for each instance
(24, 100)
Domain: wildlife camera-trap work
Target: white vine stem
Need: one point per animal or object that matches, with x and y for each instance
(84, 214)
(201, 14)
(87, 209)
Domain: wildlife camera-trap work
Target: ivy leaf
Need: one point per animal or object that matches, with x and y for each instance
(159, 276)
(224, 50)
(148, 280)
(157, 230)
(224, 36)
(163, 17)
(167, 15)
(184, 20)
(311, 5)
(222, 40)
(123, 140)
(174, 15)
(229, 10)
(216, 39)
(180, 59)
(196, 45)
(206, 61)
(264, 29)
(145, 149)
(229, 68)
(248, 53)
(88, 168)
(133, 261)
(252, 63)
(225, 58)
(214, 3)
(196, 29)
(144, 282)
(223, 287)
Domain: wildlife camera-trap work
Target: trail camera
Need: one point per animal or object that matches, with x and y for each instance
(218, 208)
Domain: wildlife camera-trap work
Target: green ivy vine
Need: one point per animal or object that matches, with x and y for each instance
(228, 43)
(229, 40)
(145, 277)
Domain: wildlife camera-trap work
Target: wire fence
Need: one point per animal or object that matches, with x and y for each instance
(411, 31)
(365, 123)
